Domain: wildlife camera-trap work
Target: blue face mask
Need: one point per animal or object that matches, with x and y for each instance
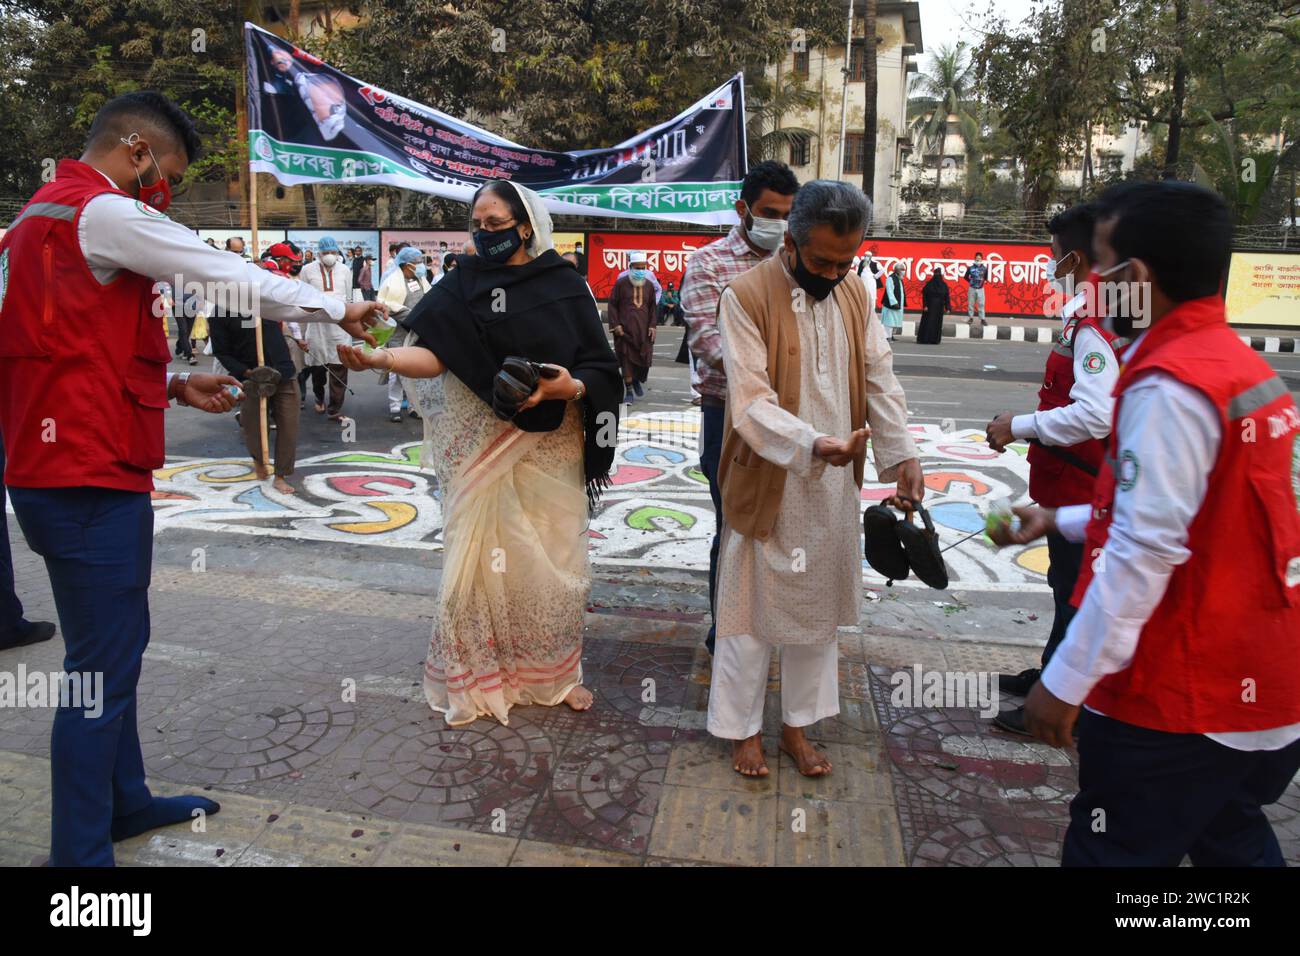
(637, 274)
(421, 270)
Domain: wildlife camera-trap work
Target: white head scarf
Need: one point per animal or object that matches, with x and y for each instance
(538, 217)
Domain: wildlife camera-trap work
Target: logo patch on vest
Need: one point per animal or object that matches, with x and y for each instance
(4, 276)
(1128, 471)
(1094, 362)
(148, 210)
(1293, 572)
(1066, 338)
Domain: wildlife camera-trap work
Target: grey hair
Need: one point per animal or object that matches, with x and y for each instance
(829, 202)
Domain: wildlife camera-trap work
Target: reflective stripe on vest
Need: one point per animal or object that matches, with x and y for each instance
(1255, 398)
(50, 210)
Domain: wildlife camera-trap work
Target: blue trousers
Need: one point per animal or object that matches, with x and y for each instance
(1149, 798)
(711, 419)
(98, 548)
(11, 609)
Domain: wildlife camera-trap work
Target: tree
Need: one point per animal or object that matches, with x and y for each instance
(569, 74)
(66, 58)
(1052, 78)
(765, 104)
(940, 99)
(870, 116)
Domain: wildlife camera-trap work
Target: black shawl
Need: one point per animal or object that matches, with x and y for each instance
(480, 313)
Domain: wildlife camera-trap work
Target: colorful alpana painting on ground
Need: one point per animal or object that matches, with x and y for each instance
(657, 514)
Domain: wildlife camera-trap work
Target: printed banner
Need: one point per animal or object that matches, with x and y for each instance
(1264, 289)
(1017, 274)
(348, 239)
(666, 253)
(428, 241)
(311, 123)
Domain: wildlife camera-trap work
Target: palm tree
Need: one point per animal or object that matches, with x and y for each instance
(940, 99)
(765, 104)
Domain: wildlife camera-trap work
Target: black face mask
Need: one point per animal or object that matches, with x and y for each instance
(295, 268)
(819, 287)
(497, 246)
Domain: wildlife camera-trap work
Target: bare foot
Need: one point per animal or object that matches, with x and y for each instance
(261, 471)
(320, 409)
(579, 698)
(810, 761)
(282, 486)
(747, 757)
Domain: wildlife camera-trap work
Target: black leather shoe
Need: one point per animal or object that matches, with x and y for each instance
(1012, 721)
(1019, 684)
(27, 632)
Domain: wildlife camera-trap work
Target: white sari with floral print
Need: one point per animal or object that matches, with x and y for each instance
(515, 577)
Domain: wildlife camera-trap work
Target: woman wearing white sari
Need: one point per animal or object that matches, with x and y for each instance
(515, 492)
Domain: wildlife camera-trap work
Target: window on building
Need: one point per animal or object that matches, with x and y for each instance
(801, 65)
(857, 62)
(853, 152)
(800, 150)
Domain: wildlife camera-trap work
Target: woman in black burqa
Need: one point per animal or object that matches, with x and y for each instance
(515, 493)
(935, 302)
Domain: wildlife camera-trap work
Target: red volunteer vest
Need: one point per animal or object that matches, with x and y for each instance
(83, 366)
(1228, 626)
(1053, 481)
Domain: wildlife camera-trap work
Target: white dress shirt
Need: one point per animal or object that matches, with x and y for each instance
(335, 282)
(115, 233)
(1172, 433)
(1091, 403)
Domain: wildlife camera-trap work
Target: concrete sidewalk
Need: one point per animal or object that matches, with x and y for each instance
(242, 696)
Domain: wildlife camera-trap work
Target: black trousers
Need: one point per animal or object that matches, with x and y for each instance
(1149, 798)
(1066, 559)
(184, 324)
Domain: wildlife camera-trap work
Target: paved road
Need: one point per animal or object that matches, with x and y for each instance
(964, 380)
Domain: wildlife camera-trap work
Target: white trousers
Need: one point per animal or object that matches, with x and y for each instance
(394, 394)
(810, 685)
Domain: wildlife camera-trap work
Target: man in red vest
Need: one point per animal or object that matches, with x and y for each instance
(1185, 651)
(1068, 431)
(81, 417)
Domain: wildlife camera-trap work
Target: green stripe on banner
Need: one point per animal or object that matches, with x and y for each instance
(321, 162)
(661, 198)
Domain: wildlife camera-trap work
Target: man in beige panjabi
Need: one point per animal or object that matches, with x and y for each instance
(808, 367)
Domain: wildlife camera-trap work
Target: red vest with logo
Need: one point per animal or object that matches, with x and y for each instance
(83, 366)
(1054, 481)
(1221, 651)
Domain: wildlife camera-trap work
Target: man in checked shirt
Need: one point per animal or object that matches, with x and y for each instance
(766, 195)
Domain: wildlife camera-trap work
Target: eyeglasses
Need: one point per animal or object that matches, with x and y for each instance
(494, 225)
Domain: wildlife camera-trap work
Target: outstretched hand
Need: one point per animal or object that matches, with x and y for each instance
(209, 392)
(359, 316)
(841, 451)
(1035, 522)
(358, 360)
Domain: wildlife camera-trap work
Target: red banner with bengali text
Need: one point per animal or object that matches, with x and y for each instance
(1016, 283)
(668, 254)
(1017, 272)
